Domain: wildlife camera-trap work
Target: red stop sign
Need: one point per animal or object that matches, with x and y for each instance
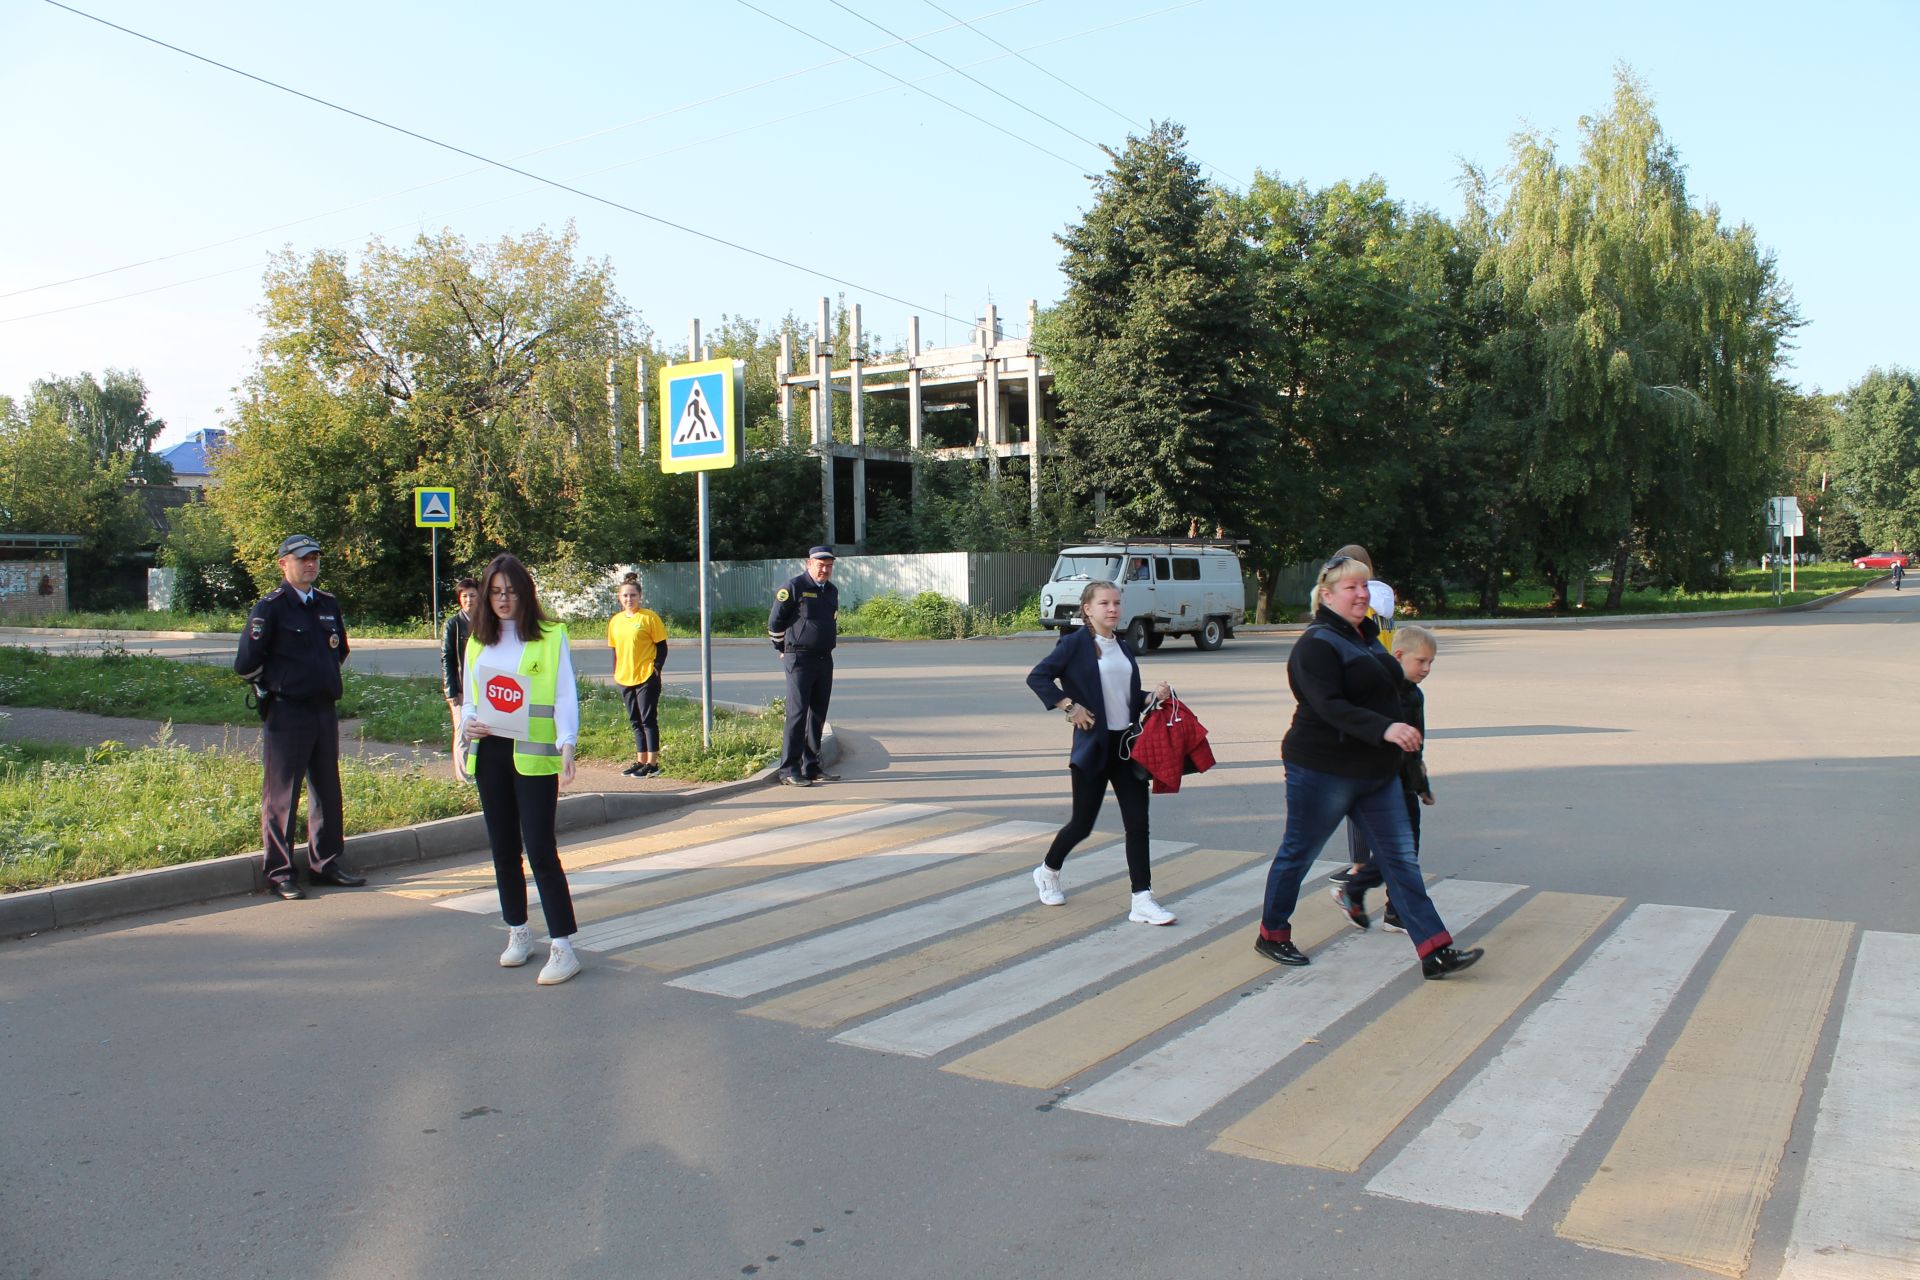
(505, 693)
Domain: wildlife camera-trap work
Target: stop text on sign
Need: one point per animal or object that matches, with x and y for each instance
(505, 694)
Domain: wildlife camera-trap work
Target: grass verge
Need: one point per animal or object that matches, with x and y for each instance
(69, 813)
(1749, 589)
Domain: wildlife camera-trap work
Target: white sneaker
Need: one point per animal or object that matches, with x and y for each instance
(519, 946)
(1147, 911)
(1047, 881)
(561, 965)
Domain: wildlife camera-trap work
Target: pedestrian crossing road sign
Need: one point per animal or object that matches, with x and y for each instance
(433, 508)
(700, 404)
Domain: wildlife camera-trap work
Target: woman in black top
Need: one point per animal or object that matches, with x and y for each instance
(1343, 755)
(453, 651)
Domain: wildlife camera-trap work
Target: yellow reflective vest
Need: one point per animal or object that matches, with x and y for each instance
(540, 663)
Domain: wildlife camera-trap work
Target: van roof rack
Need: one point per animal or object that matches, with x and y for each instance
(1093, 539)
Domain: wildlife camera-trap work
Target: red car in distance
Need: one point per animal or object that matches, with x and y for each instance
(1884, 560)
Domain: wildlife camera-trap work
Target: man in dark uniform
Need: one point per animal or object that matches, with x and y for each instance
(802, 628)
(291, 653)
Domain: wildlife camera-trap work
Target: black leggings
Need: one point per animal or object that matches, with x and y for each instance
(519, 812)
(643, 712)
(1129, 791)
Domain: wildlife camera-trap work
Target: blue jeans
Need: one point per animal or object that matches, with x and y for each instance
(1316, 803)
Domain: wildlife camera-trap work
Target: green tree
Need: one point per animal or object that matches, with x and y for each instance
(109, 416)
(1154, 347)
(1877, 449)
(51, 482)
(208, 574)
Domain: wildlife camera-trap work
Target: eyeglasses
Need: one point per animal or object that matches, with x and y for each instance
(503, 593)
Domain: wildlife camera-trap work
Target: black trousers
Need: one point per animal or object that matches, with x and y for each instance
(300, 742)
(643, 712)
(519, 812)
(809, 689)
(1369, 876)
(1089, 790)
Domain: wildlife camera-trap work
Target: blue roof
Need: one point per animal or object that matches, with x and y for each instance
(194, 455)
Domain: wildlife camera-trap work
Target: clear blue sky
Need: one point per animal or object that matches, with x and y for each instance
(1790, 118)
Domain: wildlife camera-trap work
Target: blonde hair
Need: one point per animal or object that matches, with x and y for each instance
(1338, 569)
(1411, 635)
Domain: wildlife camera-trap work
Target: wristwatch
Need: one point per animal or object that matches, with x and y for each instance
(1067, 710)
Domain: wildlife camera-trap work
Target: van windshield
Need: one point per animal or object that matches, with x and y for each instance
(1085, 568)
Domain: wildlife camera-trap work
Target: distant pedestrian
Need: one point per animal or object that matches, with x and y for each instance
(1342, 756)
(804, 627)
(520, 777)
(453, 654)
(1414, 649)
(1094, 678)
(1899, 572)
(639, 642)
(291, 653)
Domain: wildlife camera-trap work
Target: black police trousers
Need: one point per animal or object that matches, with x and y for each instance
(809, 689)
(300, 742)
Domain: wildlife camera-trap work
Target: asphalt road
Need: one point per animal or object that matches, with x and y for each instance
(350, 1087)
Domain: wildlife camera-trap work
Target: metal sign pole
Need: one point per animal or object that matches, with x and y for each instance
(435, 554)
(706, 628)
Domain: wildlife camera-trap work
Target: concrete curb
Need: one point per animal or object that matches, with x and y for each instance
(64, 906)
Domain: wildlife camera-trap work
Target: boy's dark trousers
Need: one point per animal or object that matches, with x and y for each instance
(1368, 876)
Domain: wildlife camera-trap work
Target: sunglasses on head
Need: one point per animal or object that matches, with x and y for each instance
(1335, 563)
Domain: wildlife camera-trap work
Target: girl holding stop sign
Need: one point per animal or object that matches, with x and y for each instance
(519, 722)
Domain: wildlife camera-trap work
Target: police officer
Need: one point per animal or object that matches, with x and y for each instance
(802, 628)
(291, 652)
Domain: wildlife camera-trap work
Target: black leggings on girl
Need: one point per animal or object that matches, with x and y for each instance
(1129, 791)
(643, 712)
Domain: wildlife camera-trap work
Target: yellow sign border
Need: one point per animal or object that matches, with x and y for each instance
(452, 511)
(729, 409)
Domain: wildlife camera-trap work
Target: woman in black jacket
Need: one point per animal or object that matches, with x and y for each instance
(1093, 677)
(1343, 755)
(453, 650)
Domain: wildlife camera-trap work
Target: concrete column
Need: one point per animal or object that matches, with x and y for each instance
(916, 417)
(814, 392)
(784, 369)
(643, 397)
(858, 431)
(823, 421)
(1036, 406)
(615, 437)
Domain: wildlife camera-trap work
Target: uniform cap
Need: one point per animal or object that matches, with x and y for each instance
(296, 544)
(821, 553)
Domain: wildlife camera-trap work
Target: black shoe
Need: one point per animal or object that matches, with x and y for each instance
(647, 771)
(788, 780)
(1447, 960)
(1280, 952)
(336, 877)
(823, 777)
(1390, 920)
(290, 890)
(634, 770)
(1354, 902)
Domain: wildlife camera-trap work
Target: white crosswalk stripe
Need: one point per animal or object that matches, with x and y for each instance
(1497, 1145)
(735, 849)
(870, 939)
(1859, 1211)
(1186, 1077)
(627, 930)
(933, 1025)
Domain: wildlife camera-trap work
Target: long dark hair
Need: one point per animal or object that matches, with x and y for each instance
(528, 618)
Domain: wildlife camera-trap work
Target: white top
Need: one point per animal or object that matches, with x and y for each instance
(505, 656)
(1380, 600)
(1116, 682)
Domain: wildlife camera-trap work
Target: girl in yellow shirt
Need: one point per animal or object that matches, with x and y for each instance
(639, 642)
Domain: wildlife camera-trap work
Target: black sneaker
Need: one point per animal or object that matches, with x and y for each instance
(648, 771)
(1390, 920)
(1446, 960)
(1354, 902)
(1341, 876)
(1280, 952)
(634, 770)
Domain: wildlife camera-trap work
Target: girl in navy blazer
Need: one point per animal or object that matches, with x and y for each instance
(1093, 677)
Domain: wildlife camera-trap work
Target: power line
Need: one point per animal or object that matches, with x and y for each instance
(997, 128)
(1079, 137)
(499, 164)
(552, 146)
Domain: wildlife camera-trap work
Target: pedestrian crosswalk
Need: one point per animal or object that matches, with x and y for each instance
(1627, 1074)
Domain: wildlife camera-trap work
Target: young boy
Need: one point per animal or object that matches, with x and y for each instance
(1414, 648)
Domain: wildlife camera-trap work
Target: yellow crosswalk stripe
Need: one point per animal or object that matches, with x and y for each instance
(723, 941)
(1060, 1047)
(1697, 1158)
(885, 982)
(441, 883)
(1336, 1113)
(647, 894)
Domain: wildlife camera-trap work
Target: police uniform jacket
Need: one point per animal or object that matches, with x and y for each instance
(804, 616)
(293, 648)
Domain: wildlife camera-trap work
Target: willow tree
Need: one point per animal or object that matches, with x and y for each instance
(1877, 448)
(1646, 338)
(1153, 350)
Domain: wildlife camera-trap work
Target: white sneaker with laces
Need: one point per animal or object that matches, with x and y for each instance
(1047, 881)
(519, 946)
(1147, 911)
(561, 965)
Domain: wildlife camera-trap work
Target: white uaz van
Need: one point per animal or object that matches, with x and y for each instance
(1166, 589)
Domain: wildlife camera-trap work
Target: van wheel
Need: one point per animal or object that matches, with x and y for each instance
(1210, 635)
(1155, 639)
(1139, 636)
